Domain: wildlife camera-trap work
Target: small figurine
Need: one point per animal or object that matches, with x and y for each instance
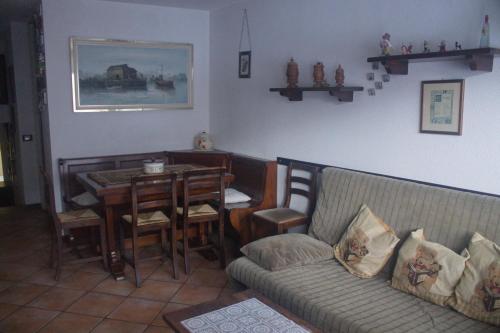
(410, 48)
(427, 49)
(292, 74)
(458, 46)
(319, 75)
(385, 44)
(442, 46)
(339, 76)
(404, 49)
(485, 33)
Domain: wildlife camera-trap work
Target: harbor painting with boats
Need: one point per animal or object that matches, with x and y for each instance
(120, 75)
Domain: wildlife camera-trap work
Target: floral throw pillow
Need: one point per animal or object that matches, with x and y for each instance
(428, 270)
(366, 245)
(478, 293)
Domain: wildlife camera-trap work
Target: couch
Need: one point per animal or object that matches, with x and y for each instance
(328, 296)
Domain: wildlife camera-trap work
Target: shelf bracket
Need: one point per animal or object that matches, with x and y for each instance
(294, 95)
(481, 62)
(396, 67)
(343, 96)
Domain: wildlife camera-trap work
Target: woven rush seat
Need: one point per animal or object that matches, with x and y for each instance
(198, 210)
(280, 215)
(148, 218)
(77, 215)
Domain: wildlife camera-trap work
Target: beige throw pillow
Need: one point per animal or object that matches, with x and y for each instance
(366, 245)
(478, 293)
(287, 250)
(428, 270)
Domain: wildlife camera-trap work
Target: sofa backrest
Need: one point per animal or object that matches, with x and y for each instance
(448, 216)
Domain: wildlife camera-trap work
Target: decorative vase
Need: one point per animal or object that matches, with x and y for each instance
(292, 74)
(202, 141)
(339, 76)
(319, 75)
(485, 33)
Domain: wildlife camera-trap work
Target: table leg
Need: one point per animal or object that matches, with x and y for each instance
(115, 262)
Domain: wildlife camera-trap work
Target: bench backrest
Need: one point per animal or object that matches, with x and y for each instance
(448, 216)
(253, 175)
(70, 167)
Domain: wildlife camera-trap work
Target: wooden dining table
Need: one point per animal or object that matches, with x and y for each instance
(112, 188)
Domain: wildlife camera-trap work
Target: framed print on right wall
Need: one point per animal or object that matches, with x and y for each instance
(441, 107)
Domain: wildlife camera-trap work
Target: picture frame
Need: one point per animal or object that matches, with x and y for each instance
(128, 75)
(245, 64)
(441, 109)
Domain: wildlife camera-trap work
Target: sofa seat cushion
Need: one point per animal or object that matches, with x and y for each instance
(332, 299)
(280, 215)
(287, 250)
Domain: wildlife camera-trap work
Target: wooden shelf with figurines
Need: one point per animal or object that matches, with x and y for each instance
(295, 93)
(478, 59)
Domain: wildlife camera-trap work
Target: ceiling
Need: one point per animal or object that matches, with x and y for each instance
(193, 4)
(23, 9)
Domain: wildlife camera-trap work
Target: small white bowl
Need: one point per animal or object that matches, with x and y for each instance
(152, 167)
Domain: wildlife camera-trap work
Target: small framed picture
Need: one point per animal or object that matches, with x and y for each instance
(386, 77)
(442, 107)
(370, 76)
(378, 85)
(245, 64)
(371, 92)
(375, 65)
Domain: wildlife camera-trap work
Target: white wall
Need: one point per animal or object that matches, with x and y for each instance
(377, 134)
(90, 134)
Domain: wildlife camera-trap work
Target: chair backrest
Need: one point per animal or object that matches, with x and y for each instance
(70, 167)
(49, 190)
(152, 192)
(203, 185)
(299, 185)
(205, 158)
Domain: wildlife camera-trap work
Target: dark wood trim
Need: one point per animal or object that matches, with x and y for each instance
(478, 59)
(344, 94)
(286, 162)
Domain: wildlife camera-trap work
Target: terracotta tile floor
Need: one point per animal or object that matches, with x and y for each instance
(87, 298)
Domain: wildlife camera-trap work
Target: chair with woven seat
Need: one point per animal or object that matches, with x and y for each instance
(203, 204)
(283, 218)
(152, 196)
(66, 222)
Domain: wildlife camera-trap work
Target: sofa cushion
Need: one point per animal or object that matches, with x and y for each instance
(478, 293)
(427, 269)
(366, 245)
(287, 250)
(334, 300)
(234, 196)
(85, 199)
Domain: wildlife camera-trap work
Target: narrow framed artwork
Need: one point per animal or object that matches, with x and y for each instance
(441, 107)
(245, 64)
(121, 75)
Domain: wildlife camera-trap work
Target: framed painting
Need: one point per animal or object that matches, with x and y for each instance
(245, 64)
(118, 75)
(442, 107)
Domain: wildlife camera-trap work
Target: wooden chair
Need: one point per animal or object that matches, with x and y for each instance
(204, 188)
(151, 196)
(283, 218)
(68, 221)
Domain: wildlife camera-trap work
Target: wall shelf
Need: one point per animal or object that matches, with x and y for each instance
(344, 94)
(478, 59)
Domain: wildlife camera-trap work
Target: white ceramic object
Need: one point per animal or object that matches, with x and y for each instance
(202, 141)
(152, 167)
